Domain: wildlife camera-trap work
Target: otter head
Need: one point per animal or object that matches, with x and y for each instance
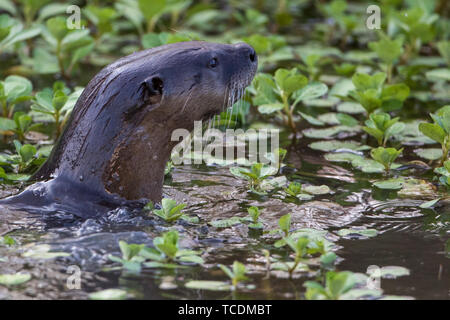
(118, 139)
(196, 80)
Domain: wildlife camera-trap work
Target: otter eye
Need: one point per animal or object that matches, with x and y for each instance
(213, 63)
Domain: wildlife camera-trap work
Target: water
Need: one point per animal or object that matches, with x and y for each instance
(407, 236)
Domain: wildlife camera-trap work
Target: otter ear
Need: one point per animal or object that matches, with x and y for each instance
(153, 88)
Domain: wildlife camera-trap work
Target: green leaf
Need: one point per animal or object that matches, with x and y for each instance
(329, 132)
(429, 204)
(433, 131)
(368, 165)
(57, 27)
(442, 74)
(346, 120)
(310, 91)
(167, 244)
(351, 107)
(7, 124)
(109, 294)
(16, 87)
(270, 108)
(129, 250)
(333, 145)
(339, 283)
(43, 103)
(389, 272)
(27, 152)
(364, 82)
(369, 99)
(328, 259)
(358, 232)
(429, 153)
(76, 39)
(312, 120)
(385, 156)
(293, 189)
(444, 50)
(285, 223)
(42, 251)
(6, 22)
(170, 210)
(59, 100)
(398, 92)
(151, 8)
(376, 133)
(208, 285)
(316, 190)
(391, 184)
(17, 34)
(254, 213)
(192, 259)
(14, 279)
(225, 223)
(289, 80)
(386, 49)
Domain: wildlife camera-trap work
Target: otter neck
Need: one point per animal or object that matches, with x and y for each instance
(129, 162)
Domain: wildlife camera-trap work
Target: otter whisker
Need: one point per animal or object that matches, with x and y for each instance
(187, 100)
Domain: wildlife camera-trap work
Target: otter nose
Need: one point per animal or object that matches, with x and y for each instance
(248, 51)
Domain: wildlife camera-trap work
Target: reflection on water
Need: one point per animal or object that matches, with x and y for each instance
(407, 236)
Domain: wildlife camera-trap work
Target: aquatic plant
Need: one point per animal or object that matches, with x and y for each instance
(294, 189)
(68, 45)
(256, 175)
(385, 156)
(130, 260)
(12, 32)
(13, 90)
(170, 211)
(165, 254)
(382, 127)
(282, 93)
(444, 173)
(20, 125)
(292, 84)
(300, 248)
(373, 94)
(337, 285)
(236, 274)
(388, 51)
(439, 131)
(307, 192)
(7, 241)
(254, 214)
(57, 103)
(418, 27)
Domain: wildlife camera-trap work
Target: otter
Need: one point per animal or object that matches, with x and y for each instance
(117, 141)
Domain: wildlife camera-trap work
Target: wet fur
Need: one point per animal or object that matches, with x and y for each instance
(117, 140)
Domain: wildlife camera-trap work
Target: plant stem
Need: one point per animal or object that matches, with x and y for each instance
(445, 149)
(296, 262)
(60, 61)
(5, 108)
(389, 72)
(289, 113)
(58, 128)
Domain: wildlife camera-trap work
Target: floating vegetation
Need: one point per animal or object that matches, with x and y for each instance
(361, 172)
